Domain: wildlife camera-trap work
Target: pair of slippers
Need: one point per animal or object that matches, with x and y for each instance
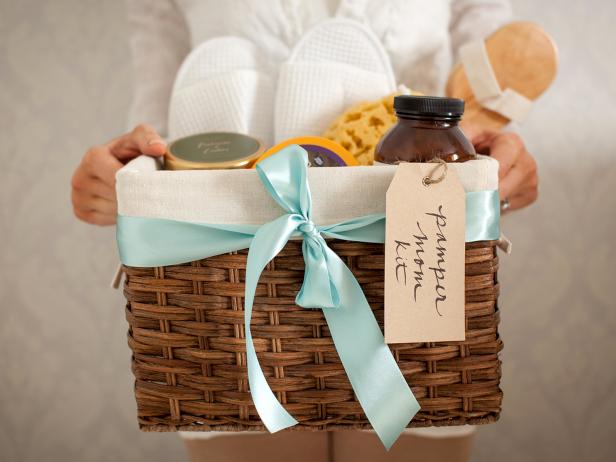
(226, 83)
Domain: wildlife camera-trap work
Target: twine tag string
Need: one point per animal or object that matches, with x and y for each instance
(429, 179)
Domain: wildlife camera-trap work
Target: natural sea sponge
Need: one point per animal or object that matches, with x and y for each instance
(360, 128)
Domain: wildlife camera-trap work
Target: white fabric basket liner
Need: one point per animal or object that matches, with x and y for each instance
(239, 197)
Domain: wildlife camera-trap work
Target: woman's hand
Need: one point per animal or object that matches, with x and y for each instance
(517, 174)
(93, 183)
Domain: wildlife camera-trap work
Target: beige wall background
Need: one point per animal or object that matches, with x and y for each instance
(65, 383)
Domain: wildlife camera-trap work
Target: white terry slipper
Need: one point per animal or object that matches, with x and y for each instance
(221, 87)
(337, 64)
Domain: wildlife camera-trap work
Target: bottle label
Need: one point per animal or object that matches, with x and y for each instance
(424, 255)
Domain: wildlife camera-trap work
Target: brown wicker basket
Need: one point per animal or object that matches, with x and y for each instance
(187, 337)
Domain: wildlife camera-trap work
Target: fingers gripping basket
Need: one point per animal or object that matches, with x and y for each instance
(186, 321)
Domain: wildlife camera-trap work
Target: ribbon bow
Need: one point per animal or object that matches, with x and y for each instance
(329, 285)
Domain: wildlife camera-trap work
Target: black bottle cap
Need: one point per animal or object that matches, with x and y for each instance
(428, 106)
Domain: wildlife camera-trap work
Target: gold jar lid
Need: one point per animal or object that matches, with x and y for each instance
(213, 151)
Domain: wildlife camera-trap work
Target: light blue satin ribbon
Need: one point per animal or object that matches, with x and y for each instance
(328, 284)
(482, 216)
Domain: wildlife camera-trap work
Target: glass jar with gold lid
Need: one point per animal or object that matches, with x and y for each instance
(212, 151)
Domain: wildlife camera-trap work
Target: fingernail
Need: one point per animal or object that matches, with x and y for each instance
(155, 141)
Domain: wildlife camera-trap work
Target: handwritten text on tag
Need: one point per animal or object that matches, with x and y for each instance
(424, 257)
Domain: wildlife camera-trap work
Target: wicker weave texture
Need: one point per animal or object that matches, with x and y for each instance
(187, 336)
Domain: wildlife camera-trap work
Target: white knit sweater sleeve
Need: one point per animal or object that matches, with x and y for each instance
(160, 40)
(476, 19)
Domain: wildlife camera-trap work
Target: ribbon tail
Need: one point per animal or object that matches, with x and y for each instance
(373, 372)
(267, 243)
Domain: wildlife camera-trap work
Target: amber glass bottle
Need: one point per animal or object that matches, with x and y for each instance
(427, 128)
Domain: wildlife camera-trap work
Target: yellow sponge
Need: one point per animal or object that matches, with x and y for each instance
(360, 128)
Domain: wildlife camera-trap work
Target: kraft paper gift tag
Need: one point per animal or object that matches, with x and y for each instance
(424, 255)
